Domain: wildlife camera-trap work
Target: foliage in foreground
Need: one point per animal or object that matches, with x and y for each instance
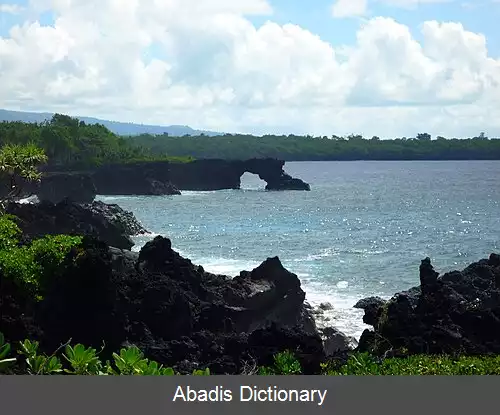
(361, 364)
(32, 266)
(80, 360)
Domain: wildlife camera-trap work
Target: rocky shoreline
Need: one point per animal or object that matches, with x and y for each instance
(187, 318)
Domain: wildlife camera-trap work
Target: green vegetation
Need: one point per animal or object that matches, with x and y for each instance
(285, 363)
(71, 143)
(32, 266)
(74, 144)
(362, 364)
(19, 161)
(80, 360)
(299, 148)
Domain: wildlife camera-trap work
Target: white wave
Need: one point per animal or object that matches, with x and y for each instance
(225, 266)
(29, 200)
(343, 316)
(197, 192)
(105, 198)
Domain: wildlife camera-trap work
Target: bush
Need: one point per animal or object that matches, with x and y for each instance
(9, 232)
(31, 267)
(285, 363)
(362, 364)
(81, 360)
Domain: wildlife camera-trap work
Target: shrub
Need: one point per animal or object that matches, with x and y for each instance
(285, 363)
(81, 360)
(365, 364)
(9, 232)
(32, 267)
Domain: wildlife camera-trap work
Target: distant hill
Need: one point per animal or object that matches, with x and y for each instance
(120, 128)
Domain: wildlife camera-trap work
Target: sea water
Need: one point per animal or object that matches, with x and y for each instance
(361, 231)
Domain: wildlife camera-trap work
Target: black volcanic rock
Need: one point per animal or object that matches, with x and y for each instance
(57, 187)
(108, 223)
(141, 178)
(175, 312)
(458, 312)
(165, 178)
(372, 306)
(125, 221)
(226, 174)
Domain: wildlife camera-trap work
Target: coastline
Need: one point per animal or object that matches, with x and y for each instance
(265, 308)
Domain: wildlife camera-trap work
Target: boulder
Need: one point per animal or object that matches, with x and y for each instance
(335, 342)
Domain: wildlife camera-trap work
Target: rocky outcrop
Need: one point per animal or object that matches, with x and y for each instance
(56, 187)
(177, 313)
(163, 178)
(458, 312)
(226, 174)
(142, 178)
(108, 223)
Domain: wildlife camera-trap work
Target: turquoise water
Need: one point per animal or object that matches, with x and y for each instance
(361, 230)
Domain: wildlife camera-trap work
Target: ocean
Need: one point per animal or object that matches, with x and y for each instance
(361, 231)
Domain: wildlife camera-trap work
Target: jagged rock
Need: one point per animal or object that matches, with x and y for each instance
(428, 277)
(458, 312)
(109, 223)
(326, 306)
(173, 310)
(372, 307)
(114, 214)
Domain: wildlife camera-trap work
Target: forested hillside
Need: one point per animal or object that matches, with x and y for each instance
(73, 143)
(297, 148)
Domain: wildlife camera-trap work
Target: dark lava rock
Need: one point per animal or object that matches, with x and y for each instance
(57, 187)
(372, 307)
(120, 218)
(175, 312)
(108, 223)
(141, 178)
(217, 174)
(335, 341)
(458, 312)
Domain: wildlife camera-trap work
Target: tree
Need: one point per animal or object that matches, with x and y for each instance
(20, 163)
(423, 136)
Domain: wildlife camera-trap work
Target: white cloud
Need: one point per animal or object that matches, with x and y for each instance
(349, 8)
(409, 4)
(10, 8)
(212, 68)
(357, 8)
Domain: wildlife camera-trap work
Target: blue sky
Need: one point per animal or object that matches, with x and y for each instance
(228, 69)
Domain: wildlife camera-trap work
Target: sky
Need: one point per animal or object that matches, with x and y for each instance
(391, 68)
